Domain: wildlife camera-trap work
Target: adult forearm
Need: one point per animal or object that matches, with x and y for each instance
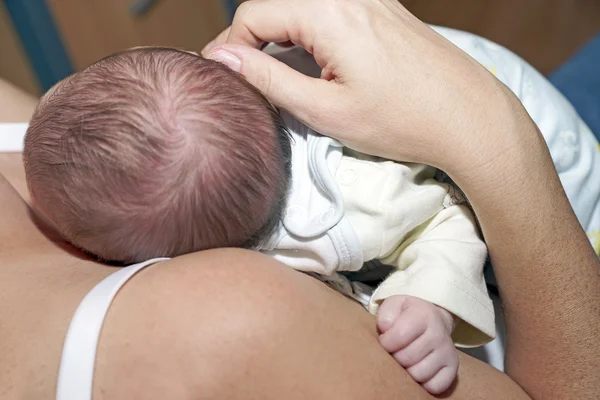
(549, 276)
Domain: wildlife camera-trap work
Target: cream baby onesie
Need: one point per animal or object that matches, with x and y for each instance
(345, 208)
(574, 150)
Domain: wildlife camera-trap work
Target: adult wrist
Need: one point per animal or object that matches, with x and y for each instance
(497, 139)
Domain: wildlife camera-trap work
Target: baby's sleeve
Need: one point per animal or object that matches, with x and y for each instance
(442, 262)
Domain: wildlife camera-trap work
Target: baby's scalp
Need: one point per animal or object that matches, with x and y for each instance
(157, 152)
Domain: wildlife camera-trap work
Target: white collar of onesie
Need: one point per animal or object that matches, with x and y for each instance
(314, 202)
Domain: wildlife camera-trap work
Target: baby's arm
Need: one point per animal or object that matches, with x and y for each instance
(438, 291)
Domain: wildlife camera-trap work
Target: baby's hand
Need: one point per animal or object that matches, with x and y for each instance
(417, 333)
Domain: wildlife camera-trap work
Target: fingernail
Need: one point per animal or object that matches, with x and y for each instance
(231, 60)
(385, 321)
(210, 44)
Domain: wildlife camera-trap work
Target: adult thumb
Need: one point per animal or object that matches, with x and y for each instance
(297, 93)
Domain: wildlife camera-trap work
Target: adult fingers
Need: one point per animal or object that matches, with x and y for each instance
(260, 21)
(220, 39)
(308, 98)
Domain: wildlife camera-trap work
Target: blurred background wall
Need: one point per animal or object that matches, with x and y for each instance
(14, 64)
(43, 40)
(92, 29)
(544, 32)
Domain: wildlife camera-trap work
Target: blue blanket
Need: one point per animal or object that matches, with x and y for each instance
(579, 80)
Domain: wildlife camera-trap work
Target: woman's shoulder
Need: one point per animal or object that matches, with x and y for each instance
(233, 323)
(221, 320)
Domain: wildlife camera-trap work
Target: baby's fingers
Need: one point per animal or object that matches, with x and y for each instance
(441, 381)
(389, 311)
(415, 351)
(406, 330)
(437, 371)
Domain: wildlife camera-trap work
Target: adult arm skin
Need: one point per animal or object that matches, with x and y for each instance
(391, 79)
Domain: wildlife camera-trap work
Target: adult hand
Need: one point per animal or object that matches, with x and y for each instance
(391, 85)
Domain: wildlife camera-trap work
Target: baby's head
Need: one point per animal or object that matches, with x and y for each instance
(157, 152)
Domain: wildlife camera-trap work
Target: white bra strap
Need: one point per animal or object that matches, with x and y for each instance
(76, 373)
(12, 136)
